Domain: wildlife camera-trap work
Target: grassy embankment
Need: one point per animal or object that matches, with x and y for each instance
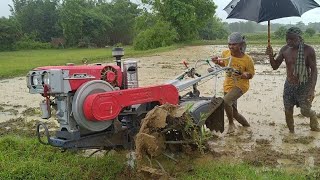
(25, 158)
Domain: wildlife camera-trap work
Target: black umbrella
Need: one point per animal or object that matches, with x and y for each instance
(266, 10)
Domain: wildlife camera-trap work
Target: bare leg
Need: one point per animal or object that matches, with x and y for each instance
(289, 119)
(229, 112)
(307, 112)
(242, 120)
(314, 125)
(229, 99)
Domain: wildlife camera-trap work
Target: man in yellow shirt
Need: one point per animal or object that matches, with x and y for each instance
(236, 84)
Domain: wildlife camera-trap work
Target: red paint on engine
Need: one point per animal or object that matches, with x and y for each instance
(107, 106)
(93, 71)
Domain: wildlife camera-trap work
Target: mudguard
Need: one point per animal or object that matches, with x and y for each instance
(210, 112)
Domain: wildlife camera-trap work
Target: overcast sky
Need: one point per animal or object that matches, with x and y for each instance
(310, 16)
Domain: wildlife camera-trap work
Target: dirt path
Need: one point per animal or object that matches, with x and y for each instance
(267, 141)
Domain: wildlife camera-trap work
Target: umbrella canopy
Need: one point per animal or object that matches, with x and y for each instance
(266, 10)
(231, 6)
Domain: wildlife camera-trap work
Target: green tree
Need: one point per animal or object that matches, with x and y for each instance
(95, 26)
(39, 17)
(10, 32)
(315, 26)
(243, 27)
(71, 20)
(160, 35)
(145, 21)
(214, 29)
(301, 25)
(281, 32)
(310, 32)
(122, 14)
(186, 16)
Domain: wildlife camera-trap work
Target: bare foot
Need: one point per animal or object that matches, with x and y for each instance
(291, 131)
(231, 129)
(314, 125)
(316, 129)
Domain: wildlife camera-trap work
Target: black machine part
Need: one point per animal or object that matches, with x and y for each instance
(210, 112)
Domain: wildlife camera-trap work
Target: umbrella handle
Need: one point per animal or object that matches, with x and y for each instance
(269, 44)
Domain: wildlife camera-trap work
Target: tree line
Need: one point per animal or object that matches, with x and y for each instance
(252, 27)
(39, 24)
(98, 23)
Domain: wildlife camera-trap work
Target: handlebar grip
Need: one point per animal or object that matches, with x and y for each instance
(237, 72)
(199, 75)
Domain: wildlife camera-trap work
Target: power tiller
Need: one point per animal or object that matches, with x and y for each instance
(101, 106)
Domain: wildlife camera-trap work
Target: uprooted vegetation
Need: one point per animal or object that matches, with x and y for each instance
(165, 130)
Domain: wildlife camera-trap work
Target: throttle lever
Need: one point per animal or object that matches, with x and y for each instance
(185, 64)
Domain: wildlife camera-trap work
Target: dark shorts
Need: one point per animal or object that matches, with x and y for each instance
(295, 94)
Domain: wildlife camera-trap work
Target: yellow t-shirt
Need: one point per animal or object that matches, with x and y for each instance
(244, 64)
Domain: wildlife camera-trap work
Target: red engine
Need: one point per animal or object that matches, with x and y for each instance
(78, 75)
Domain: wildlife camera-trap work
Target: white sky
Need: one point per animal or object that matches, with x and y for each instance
(4, 8)
(310, 16)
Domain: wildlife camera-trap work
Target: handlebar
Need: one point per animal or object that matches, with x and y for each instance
(232, 70)
(191, 72)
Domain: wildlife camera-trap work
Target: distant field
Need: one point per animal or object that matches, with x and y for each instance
(18, 63)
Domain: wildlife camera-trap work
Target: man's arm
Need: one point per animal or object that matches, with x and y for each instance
(312, 62)
(275, 63)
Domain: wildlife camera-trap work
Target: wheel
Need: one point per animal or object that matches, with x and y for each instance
(88, 88)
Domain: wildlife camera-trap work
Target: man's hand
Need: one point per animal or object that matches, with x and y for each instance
(215, 59)
(310, 96)
(245, 75)
(269, 52)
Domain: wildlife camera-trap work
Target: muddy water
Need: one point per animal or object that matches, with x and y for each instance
(267, 140)
(14, 98)
(261, 105)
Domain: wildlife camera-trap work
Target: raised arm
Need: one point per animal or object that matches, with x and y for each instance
(275, 63)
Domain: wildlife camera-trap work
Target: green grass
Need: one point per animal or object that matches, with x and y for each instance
(223, 171)
(25, 158)
(18, 63)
